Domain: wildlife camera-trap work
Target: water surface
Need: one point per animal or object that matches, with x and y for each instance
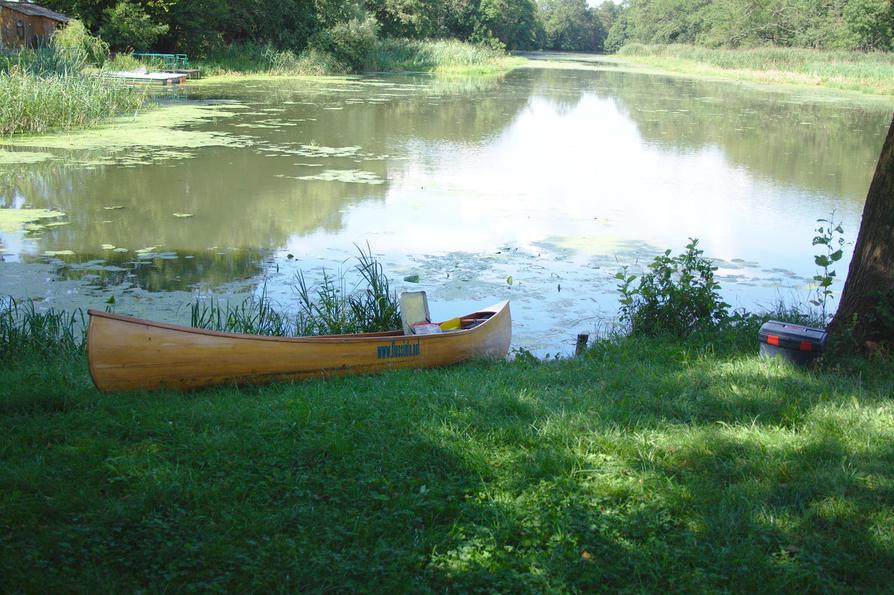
(535, 187)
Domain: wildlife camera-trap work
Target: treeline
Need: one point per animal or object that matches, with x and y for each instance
(201, 26)
(821, 24)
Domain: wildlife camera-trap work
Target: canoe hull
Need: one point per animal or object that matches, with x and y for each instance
(128, 353)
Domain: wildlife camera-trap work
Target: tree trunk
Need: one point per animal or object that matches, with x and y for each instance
(865, 317)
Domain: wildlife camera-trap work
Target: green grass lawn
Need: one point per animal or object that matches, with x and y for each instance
(647, 465)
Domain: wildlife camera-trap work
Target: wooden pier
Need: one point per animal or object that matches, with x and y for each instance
(165, 78)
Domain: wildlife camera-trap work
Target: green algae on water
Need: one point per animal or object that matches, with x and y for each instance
(22, 157)
(17, 219)
(164, 127)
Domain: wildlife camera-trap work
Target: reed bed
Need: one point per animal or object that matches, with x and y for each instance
(870, 72)
(31, 103)
(251, 58)
(392, 55)
(333, 307)
(51, 334)
(445, 56)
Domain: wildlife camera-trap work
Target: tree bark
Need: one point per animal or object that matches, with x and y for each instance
(865, 317)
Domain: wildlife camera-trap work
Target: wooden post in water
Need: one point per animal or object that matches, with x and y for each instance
(581, 346)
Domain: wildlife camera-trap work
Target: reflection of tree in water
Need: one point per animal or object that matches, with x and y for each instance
(824, 147)
(245, 202)
(234, 197)
(563, 89)
(166, 272)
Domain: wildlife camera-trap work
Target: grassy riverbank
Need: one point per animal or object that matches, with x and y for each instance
(386, 55)
(648, 464)
(871, 73)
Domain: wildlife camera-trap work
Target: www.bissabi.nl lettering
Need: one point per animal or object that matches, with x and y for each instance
(396, 350)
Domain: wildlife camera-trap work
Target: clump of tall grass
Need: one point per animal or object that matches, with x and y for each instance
(433, 56)
(862, 71)
(54, 333)
(253, 316)
(252, 58)
(31, 103)
(330, 308)
(126, 62)
(333, 54)
(46, 88)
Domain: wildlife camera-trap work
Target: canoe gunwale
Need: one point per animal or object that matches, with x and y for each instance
(494, 311)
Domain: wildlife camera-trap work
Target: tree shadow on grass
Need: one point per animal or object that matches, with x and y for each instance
(755, 477)
(657, 475)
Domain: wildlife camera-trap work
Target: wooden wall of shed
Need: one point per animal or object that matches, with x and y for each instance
(36, 30)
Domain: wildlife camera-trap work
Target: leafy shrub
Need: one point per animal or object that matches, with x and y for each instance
(75, 46)
(123, 62)
(349, 42)
(70, 50)
(126, 26)
(677, 296)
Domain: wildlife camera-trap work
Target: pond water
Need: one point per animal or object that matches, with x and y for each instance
(535, 186)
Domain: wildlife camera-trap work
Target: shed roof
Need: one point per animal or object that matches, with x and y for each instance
(34, 10)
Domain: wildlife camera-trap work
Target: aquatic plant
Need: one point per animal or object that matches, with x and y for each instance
(329, 308)
(434, 56)
(253, 316)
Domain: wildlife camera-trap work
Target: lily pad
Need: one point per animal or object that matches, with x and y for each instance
(58, 253)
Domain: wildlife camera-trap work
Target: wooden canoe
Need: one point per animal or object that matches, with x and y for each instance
(127, 353)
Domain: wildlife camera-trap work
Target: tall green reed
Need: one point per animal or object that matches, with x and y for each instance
(31, 103)
(26, 331)
(48, 88)
(332, 307)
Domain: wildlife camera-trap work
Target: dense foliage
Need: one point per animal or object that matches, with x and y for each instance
(199, 26)
(822, 24)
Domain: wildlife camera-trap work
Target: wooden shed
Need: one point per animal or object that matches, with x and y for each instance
(23, 24)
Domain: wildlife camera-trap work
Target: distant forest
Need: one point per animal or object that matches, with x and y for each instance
(198, 26)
